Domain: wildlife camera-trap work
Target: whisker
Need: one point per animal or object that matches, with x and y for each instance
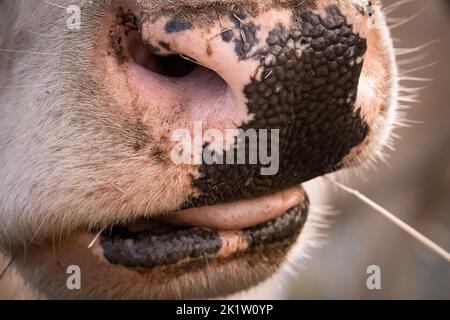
(41, 34)
(208, 271)
(24, 250)
(243, 36)
(53, 247)
(37, 231)
(412, 60)
(401, 224)
(409, 99)
(95, 239)
(412, 90)
(24, 86)
(220, 33)
(195, 61)
(28, 52)
(406, 51)
(11, 261)
(59, 28)
(61, 230)
(118, 188)
(403, 22)
(220, 20)
(54, 4)
(41, 74)
(238, 19)
(16, 61)
(415, 79)
(394, 6)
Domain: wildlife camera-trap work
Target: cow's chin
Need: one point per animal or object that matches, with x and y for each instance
(103, 280)
(178, 256)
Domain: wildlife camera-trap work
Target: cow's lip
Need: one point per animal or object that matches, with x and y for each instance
(239, 214)
(184, 237)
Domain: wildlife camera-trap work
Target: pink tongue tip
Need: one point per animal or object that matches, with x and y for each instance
(239, 214)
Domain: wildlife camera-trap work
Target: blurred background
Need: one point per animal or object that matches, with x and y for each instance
(415, 186)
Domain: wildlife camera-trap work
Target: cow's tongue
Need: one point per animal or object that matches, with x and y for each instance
(239, 214)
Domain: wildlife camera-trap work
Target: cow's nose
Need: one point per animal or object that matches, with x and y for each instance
(292, 73)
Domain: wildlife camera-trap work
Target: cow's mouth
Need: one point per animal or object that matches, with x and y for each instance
(219, 232)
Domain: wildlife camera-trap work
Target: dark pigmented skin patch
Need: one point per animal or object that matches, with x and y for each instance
(127, 19)
(134, 134)
(128, 22)
(153, 248)
(165, 246)
(227, 35)
(244, 46)
(365, 10)
(244, 35)
(178, 24)
(117, 47)
(287, 226)
(309, 95)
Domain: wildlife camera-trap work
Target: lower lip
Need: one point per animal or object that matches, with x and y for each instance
(168, 246)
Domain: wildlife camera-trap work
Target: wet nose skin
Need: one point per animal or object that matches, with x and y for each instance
(297, 72)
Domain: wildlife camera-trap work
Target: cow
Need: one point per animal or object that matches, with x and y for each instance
(121, 123)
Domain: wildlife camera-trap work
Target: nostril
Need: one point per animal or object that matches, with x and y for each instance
(174, 65)
(166, 74)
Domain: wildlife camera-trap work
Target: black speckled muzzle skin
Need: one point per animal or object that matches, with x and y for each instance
(308, 94)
